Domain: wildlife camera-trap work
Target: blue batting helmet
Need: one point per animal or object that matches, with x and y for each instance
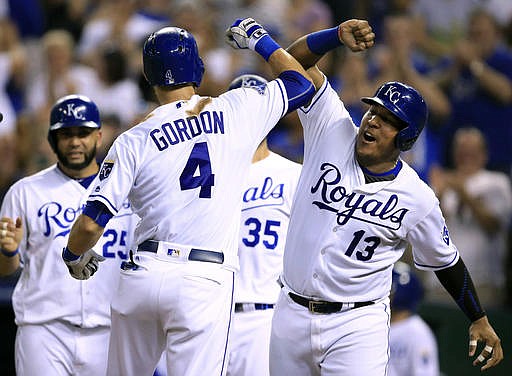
(73, 111)
(171, 58)
(406, 104)
(247, 80)
(406, 288)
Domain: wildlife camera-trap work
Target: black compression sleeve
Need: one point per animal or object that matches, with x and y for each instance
(457, 281)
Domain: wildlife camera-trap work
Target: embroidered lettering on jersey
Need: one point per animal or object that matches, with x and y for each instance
(56, 217)
(106, 169)
(266, 195)
(185, 129)
(355, 205)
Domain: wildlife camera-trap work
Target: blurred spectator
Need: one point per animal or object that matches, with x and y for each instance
(477, 205)
(440, 24)
(118, 94)
(64, 14)
(351, 81)
(397, 59)
(124, 22)
(60, 75)
(12, 69)
(413, 346)
(479, 84)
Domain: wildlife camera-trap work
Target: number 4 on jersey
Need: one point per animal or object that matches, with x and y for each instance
(199, 159)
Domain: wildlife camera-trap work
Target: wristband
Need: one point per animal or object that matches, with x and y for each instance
(9, 254)
(67, 255)
(265, 46)
(323, 41)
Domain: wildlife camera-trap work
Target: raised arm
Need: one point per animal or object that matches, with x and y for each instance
(248, 34)
(355, 34)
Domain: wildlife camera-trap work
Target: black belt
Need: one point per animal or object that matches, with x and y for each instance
(194, 255)
(239, 307)
(320, 306)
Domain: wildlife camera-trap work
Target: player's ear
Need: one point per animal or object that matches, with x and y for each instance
(99, 139)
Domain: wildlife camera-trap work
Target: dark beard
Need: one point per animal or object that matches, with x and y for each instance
(77, 166)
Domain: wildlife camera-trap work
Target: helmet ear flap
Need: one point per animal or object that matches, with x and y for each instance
(52, 141)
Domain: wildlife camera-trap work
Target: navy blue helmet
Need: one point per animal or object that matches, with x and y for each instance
(406, 104)
(406, 288)
(247, 80)
(73, 111)
(171, 58)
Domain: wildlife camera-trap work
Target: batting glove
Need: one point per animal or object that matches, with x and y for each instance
(84, 266)
(244, 34)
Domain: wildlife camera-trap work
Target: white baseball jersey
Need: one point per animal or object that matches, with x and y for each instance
(48, 203)
(184, 166)
(266, 210)
(413, 348)
(265, 215)
(345, 235)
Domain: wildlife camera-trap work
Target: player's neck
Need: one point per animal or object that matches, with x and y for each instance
(85, 172)
(169, 95)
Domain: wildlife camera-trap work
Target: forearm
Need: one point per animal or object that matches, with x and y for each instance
(85, 233)
(494, 82)
(457, 281)
(309, 49)
(280, 61)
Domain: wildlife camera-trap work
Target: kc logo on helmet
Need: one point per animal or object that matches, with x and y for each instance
(393, 94)
(77, 112)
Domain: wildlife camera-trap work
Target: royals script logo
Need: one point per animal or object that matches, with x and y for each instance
(58, 217)
(269, 194)
(356, 206)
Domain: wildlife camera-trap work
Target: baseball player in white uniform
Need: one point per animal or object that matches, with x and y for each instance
(356, 208)
(266, 205)
(412, 344)
(63, 323)
(183, 169)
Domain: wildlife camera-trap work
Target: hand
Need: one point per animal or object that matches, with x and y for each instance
(10, 234)
(244, 34)
(481, 331)
(85, 266)
(356, 35)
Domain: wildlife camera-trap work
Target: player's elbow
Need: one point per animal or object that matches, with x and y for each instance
(300, 90)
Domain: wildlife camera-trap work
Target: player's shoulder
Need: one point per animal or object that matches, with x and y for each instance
(45, 176)
(411, 184)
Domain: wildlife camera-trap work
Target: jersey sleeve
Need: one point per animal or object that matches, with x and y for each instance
(115, 179)
(431, 244)
(326, 113)
(258, 109)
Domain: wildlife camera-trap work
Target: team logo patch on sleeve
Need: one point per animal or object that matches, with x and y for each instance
(446, 236)
(106, 168)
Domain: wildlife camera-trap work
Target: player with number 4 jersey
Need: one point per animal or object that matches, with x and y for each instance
(183, 169)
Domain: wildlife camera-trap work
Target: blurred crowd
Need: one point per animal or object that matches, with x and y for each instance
(458, 54)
